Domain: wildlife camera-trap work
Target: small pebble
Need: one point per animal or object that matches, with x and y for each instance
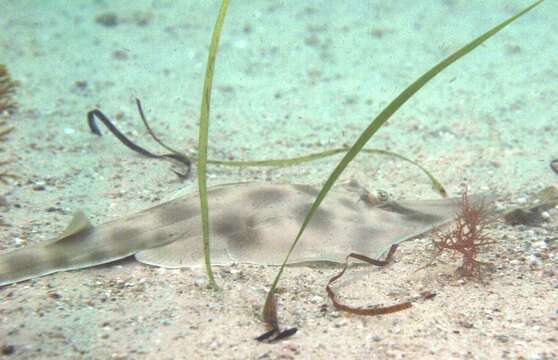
(7, 350)
(200, 282)
(341, 323)
(107, 19)
(540, 245)
(3, 201)
(80, 84)
(466, 324)
(119, 55)
(54, 295)
(214, 345)
(502, 338)
(534, 261)
(316, 299)
(539, 357)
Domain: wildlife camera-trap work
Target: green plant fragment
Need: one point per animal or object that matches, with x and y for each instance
(203, 137)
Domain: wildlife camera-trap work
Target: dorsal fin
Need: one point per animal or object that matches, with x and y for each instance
(79, 223)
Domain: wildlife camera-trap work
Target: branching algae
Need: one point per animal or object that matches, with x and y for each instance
(7, 105)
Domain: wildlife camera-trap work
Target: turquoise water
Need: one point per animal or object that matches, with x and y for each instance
(290, 79)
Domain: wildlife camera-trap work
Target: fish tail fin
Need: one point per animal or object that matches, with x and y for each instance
(61, 253)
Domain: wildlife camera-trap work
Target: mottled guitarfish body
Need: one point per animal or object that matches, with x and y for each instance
(249, 222)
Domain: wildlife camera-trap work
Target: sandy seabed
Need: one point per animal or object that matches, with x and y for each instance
(290, 79)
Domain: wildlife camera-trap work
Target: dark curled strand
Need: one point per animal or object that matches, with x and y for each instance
(275, 333)
(554, 165)
(91, 115)
(176, 155)
(378, 310)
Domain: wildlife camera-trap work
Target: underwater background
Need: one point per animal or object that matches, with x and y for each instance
(291, 78)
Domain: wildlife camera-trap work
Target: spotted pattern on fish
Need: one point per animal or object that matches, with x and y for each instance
(249, 222)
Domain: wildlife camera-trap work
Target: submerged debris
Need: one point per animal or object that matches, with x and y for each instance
(536, 213)
(530, 216)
